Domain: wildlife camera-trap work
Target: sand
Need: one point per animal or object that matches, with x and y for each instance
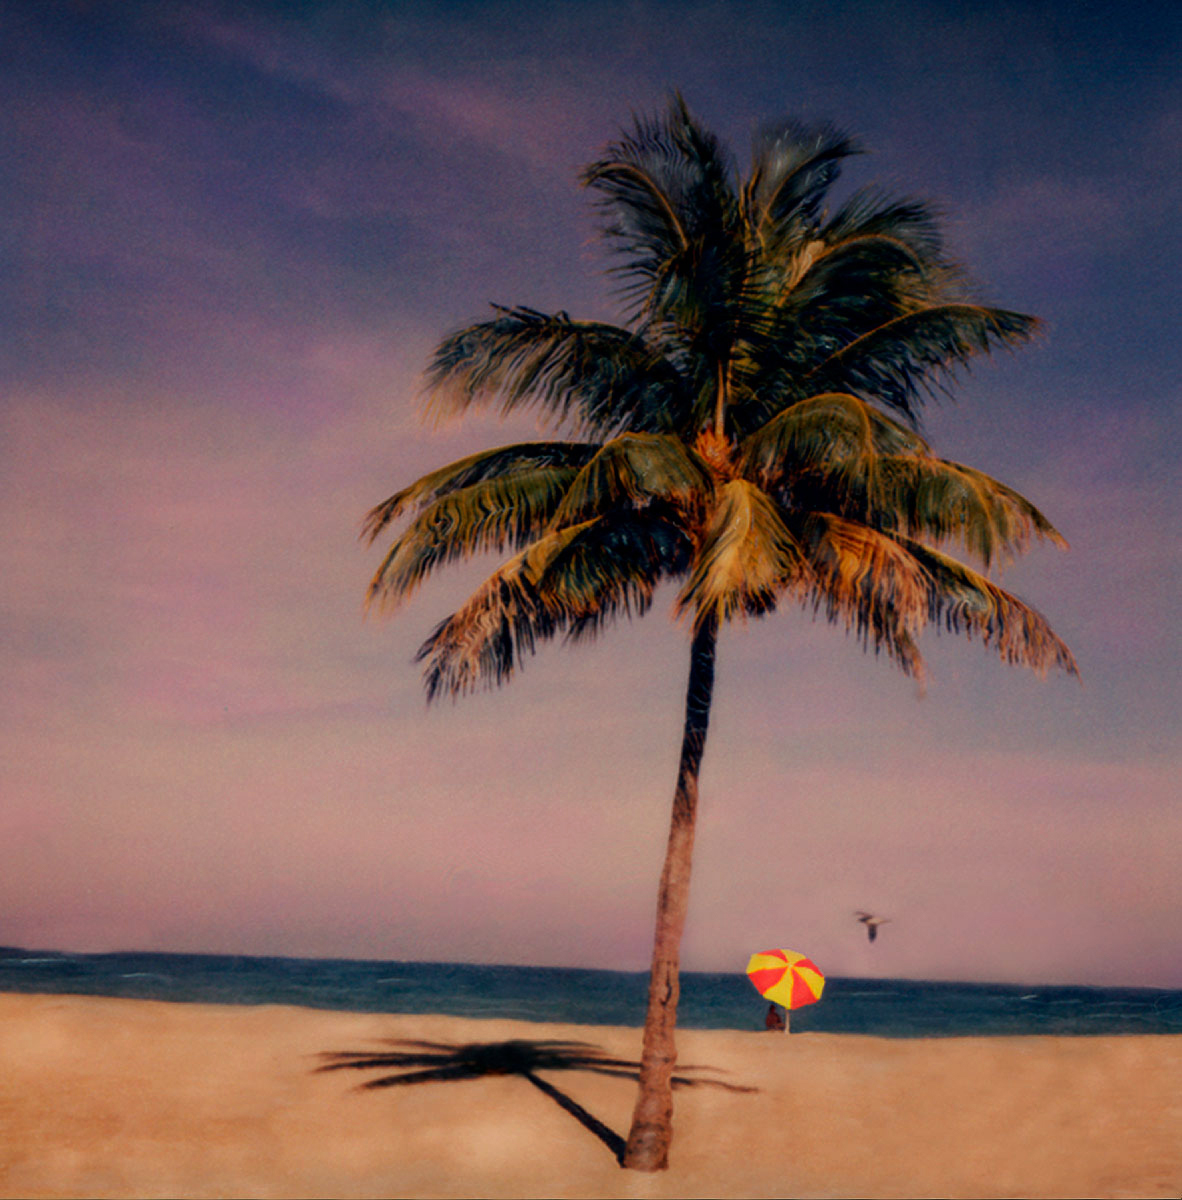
(104, 1097)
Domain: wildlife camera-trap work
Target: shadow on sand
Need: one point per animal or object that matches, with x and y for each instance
(436, 1062)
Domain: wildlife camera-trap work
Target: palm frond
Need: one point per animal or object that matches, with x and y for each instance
(793, 166)
(599, 377)
(746, 560)
(824, 293)
(933, 498)
(869, 213)
(634, 470)
(836, 451)
(613, 566)
(482, 642)
(819, 295)
(873, 244)
(641, 180)
(577, 579)
(488, 515)
(870, 582)
(487, 464)
(832, 431)
(857, 261)
(964, 601)
(669, 208)
(898, 360)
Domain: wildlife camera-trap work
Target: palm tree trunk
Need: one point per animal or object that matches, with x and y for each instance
(652, 1119)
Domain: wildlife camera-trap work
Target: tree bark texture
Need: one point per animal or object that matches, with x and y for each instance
(652, 1118)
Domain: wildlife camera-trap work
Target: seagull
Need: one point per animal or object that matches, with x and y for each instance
(872, 923)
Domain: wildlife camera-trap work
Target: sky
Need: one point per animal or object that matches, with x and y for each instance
(231, 235)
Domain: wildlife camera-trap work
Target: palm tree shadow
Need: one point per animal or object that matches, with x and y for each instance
(437, 1062)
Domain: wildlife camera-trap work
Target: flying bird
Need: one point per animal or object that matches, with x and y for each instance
(872, 923)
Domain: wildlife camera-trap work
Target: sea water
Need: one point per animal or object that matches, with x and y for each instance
(882, 1007)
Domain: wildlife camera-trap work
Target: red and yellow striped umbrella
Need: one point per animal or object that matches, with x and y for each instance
(786, 978)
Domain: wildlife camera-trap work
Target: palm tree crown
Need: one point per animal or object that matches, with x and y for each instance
(749, 432)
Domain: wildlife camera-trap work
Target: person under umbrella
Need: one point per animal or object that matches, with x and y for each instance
(787, 979)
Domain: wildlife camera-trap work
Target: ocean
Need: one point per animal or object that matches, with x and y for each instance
(899, 1008)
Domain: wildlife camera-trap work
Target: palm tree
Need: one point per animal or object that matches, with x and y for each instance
(750, 431)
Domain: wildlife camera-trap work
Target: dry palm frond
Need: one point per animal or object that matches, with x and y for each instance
(964, 601)
(871, 583)
(746, 560)
(481, 643)
(576, 579)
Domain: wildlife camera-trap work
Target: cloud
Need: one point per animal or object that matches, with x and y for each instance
(410, 79)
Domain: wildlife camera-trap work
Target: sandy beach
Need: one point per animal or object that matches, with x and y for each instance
(105, 1097)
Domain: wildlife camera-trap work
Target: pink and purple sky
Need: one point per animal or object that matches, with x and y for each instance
(231, 235)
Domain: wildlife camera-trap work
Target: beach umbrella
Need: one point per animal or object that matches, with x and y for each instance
(786, 978)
